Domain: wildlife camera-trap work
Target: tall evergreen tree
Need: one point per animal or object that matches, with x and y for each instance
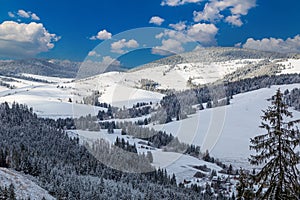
(276, 149)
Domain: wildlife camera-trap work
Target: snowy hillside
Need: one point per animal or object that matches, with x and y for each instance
(226, 131)
(47, 99)
(52, 97)
(290, 66)
(169, 76)
(204, 66)
(24, 187)
(59, 97)
(183, 166)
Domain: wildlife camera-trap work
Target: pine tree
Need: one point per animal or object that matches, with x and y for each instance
(276, 148)
(149, 156)
(173, 180)
(11, 192)
(5, 194)
(1, 193)
(209, 104)
(244, 186)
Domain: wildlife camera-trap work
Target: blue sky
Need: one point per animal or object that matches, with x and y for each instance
(69, 29)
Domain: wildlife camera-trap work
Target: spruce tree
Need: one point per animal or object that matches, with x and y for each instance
(278, 178)
(11, 192)
(244, 186)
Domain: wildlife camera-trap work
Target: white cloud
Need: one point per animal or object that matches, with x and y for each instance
(160, 35)
(102, 35)
(107, 60)
(176, 35)
(178, 2)
(12, 15)
(118, 47)
(180, 26)
(234, 20)
(35, 17)
(156, 20)
(173, 41)
(203, 33)
(290, 45)
(168, 47)
(238, 45)
(213, 11)
(25, 14)
(93, 54)
(21, 39)
(210, 13)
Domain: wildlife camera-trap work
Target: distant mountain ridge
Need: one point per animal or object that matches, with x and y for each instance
(215, 54)
(43, 67)
(54, 68)
(70, 69)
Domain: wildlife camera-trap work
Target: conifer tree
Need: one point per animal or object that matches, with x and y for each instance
(11, 192)
(279, 177)
(244, 186)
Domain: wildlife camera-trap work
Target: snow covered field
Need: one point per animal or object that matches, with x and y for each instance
(226, 131)
(172, 76)
(181, 165)
(291, 66)
(48, 101)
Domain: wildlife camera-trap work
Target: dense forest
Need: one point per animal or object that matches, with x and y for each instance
(292, 98)
(179, 104)
(68, 170)
(8, 192)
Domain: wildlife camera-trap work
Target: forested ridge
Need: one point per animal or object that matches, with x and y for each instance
(67, 170)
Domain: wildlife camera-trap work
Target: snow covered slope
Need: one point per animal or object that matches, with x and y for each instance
(52, 99)
(290, 66)
(47, 99)
(226, 131)
(115, 88)
(170, 76)
(24, 187)
(181, 165)
(179, 72)
(204, 66)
